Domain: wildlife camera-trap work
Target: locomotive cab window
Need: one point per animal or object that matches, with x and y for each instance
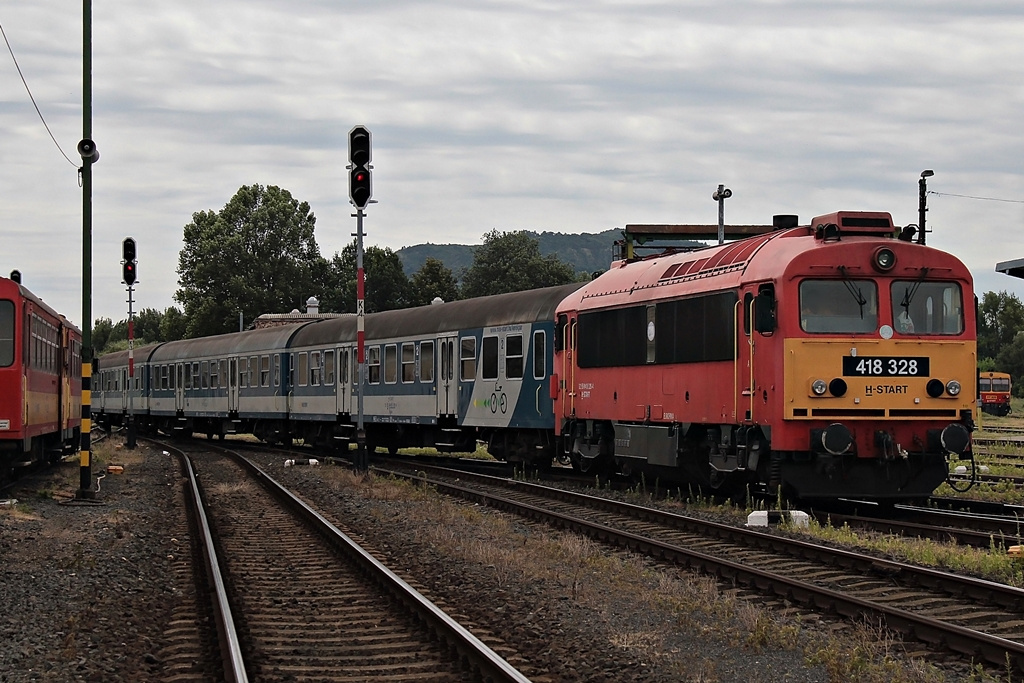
(931, 308)
(838, 306)
(6, 333)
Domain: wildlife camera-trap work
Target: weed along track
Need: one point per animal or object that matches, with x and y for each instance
(311, 605)
(976, 618)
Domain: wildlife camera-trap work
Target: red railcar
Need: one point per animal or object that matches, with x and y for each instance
(40, 379)
(832, 360)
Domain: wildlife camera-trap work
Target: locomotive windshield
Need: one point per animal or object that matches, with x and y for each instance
(6, 333)
(838, 306)
(931, 308)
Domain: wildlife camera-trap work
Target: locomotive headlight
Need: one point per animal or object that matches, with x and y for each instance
(884, 259)
(819, 387)
(953, 387)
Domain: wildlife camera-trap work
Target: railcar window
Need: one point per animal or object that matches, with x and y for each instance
(538, 354)
(427, 361)
(314, 368)
(265, 371)
(1000, 384)
(303, 370)
(467, 359)
(514, 356)
(243, 372)
(6, 333)
(343, 366)
(984, 384)
(195, 375)
(206, 374)
(329, 368)
(390, 364)
(277, 369)
(489, 358)
(930, 308)
(254, 368)
(838, 306)
(408, 362)
(372, 364)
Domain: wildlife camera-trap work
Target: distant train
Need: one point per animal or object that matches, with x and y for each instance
(827, 360)
(994, 390)
(40, 379)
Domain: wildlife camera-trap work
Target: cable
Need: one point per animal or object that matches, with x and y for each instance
(29, 91)
(986, 199)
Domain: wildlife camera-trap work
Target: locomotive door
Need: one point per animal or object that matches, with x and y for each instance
(447, 387)
(233, 385)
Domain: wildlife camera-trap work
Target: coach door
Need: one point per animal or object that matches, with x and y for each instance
(179, 386)
(346, 379)
(447, 387)
(233, 385)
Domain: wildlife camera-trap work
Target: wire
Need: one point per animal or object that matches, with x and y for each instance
(967, 196)
(29, 91)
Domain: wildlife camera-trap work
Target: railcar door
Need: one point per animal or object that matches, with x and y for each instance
(447, 387)
(179, 386)
(347, 376)
(233, 385)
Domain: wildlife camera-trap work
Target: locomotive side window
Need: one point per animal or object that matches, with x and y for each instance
(514, 356)
(838, 306)
(538, 354)
(933, 308)
(427, 361)
(489, 358)
(467, 359)
(6, 333)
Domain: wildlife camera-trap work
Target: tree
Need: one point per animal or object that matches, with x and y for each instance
(1000, 318)
(257, 255)
(511, 262)
(147, 326)
(433, 279)
(386, 285)
(173, 325)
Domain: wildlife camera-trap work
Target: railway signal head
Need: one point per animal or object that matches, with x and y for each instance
(359, 150)
(360, 187)
(359, 155)
(128, 254)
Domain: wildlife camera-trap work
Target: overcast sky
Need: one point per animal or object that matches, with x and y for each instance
(509, 115)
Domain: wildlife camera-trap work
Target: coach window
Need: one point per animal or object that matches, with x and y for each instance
(329, 368)
(931, 308)
(489, 358)
(265, 371)
(277, 369)
(195, 375)
(467, 359)
(314, 368)
(254, 369)
(427, 361)
(408, 362)
(838, 306)
(224, 376)
(514, 356)
(214, 374)
(538, 354)
(206, 374)
(243, 373)
(373, 364)
(6, 333)
(390, 364)
(303, 370)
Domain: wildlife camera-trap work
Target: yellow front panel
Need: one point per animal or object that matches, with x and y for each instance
(885, 378)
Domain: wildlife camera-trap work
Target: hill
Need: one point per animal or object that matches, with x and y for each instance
(586, 252)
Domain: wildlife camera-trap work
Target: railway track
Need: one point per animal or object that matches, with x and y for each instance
(297, 600)
(976, 618)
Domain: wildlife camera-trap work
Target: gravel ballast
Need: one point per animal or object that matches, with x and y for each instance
(89, 589)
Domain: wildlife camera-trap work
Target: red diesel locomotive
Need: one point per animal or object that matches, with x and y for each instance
(40, 379)
(835, 359)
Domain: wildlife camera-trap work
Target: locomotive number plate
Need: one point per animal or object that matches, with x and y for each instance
(885, 366)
